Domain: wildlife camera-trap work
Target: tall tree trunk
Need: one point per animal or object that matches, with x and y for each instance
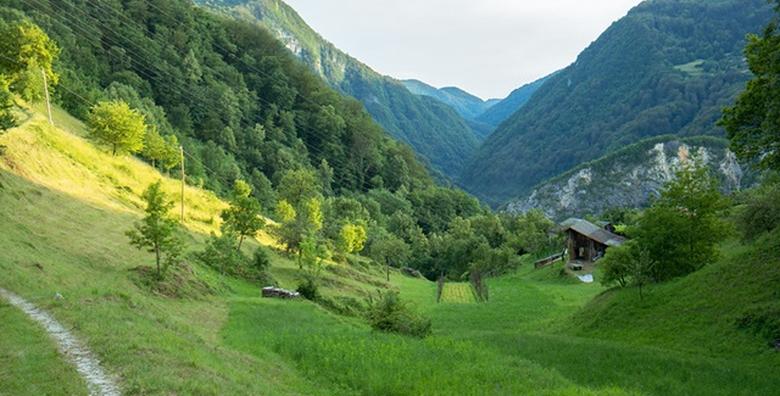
(157, 256)
(240, 241)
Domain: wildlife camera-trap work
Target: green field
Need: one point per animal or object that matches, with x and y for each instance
(458, 293)
(64, 211)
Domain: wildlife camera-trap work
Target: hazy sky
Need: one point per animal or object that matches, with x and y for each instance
(487, 47)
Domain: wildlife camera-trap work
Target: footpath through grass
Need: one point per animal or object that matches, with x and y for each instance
(29, 361)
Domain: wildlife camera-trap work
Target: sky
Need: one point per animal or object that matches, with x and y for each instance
(487, 47)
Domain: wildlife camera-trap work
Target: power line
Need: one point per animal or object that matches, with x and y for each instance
(182, 92)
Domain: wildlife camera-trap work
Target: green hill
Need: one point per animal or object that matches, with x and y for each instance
(435, 131)
(66, 206)
(668, 67)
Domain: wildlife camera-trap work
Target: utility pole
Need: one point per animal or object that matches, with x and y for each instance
(46, 92)
(181, 152)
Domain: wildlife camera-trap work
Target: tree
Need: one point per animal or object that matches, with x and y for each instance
(162, 151)
(388, 250)
(243, 216)
(156, 231)
(752, 123)
(530, 232)
(298, 186)
(681, 230)
(298, 224)
(26, 52)
(352, 238)
(628, 265)
(7, 118)
(116, 125)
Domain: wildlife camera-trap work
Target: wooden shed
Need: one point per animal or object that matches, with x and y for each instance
(587, 242)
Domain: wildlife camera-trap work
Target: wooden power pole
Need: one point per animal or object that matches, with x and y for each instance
(46, 92)
(181, 152)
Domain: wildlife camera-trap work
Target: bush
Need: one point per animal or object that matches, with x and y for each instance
(391, 315)
(260, 260)
(309, 289)
(761, 211)
(222, 254)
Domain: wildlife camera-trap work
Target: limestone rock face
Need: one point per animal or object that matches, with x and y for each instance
(629, 178)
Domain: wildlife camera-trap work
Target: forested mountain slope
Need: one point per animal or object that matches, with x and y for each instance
(504, 109)
(668, 67)
(466, 104)
(434, 130)
(238, 101)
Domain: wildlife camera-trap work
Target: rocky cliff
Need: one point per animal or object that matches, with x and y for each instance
(629, 177)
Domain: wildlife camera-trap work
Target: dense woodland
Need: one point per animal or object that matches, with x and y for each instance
(669, 67)
(244, 109)
(436, 132)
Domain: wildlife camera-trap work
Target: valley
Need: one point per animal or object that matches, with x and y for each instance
(609, 229)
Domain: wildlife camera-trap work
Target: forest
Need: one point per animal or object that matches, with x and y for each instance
(245, 110)
(668, 67)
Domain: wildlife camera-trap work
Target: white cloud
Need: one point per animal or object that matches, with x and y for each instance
(487, 47)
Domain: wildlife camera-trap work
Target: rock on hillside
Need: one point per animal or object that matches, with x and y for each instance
(629, 177)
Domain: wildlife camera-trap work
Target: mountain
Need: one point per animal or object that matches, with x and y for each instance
(629, 177)
(504, 108)
(434, 130)
(467, 105)
(242, 106)
(668, 67)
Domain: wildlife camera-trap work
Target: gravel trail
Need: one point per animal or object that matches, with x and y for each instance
(86, 363)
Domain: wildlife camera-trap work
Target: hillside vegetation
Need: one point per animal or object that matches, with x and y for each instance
(435, 131)
(68, 204)
(668, 67)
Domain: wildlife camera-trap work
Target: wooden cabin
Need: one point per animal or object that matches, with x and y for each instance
(587, 242)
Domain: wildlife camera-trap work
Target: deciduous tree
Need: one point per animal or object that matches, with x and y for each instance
(752, 123)
(116, 125)
(243, 216)
(27, 52)
(156, 231)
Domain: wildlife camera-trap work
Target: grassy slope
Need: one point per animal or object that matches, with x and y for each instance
(65, 207)
(65, 220)
(29, 359)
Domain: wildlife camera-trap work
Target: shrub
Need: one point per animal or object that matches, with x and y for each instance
(761, 211)
(309, 289)
(391, 315)
(260, 260)
(222, 254)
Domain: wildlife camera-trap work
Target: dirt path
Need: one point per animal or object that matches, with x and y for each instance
(87, 365)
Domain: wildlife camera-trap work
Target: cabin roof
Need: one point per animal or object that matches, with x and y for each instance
(592, 231)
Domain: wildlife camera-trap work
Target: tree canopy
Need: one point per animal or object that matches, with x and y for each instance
(754, 121)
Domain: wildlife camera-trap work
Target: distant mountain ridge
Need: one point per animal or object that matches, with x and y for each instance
(467, 105)
(503, 109)
(668, 67)
(433, 129)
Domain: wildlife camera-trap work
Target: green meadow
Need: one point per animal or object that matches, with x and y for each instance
(64, 208)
